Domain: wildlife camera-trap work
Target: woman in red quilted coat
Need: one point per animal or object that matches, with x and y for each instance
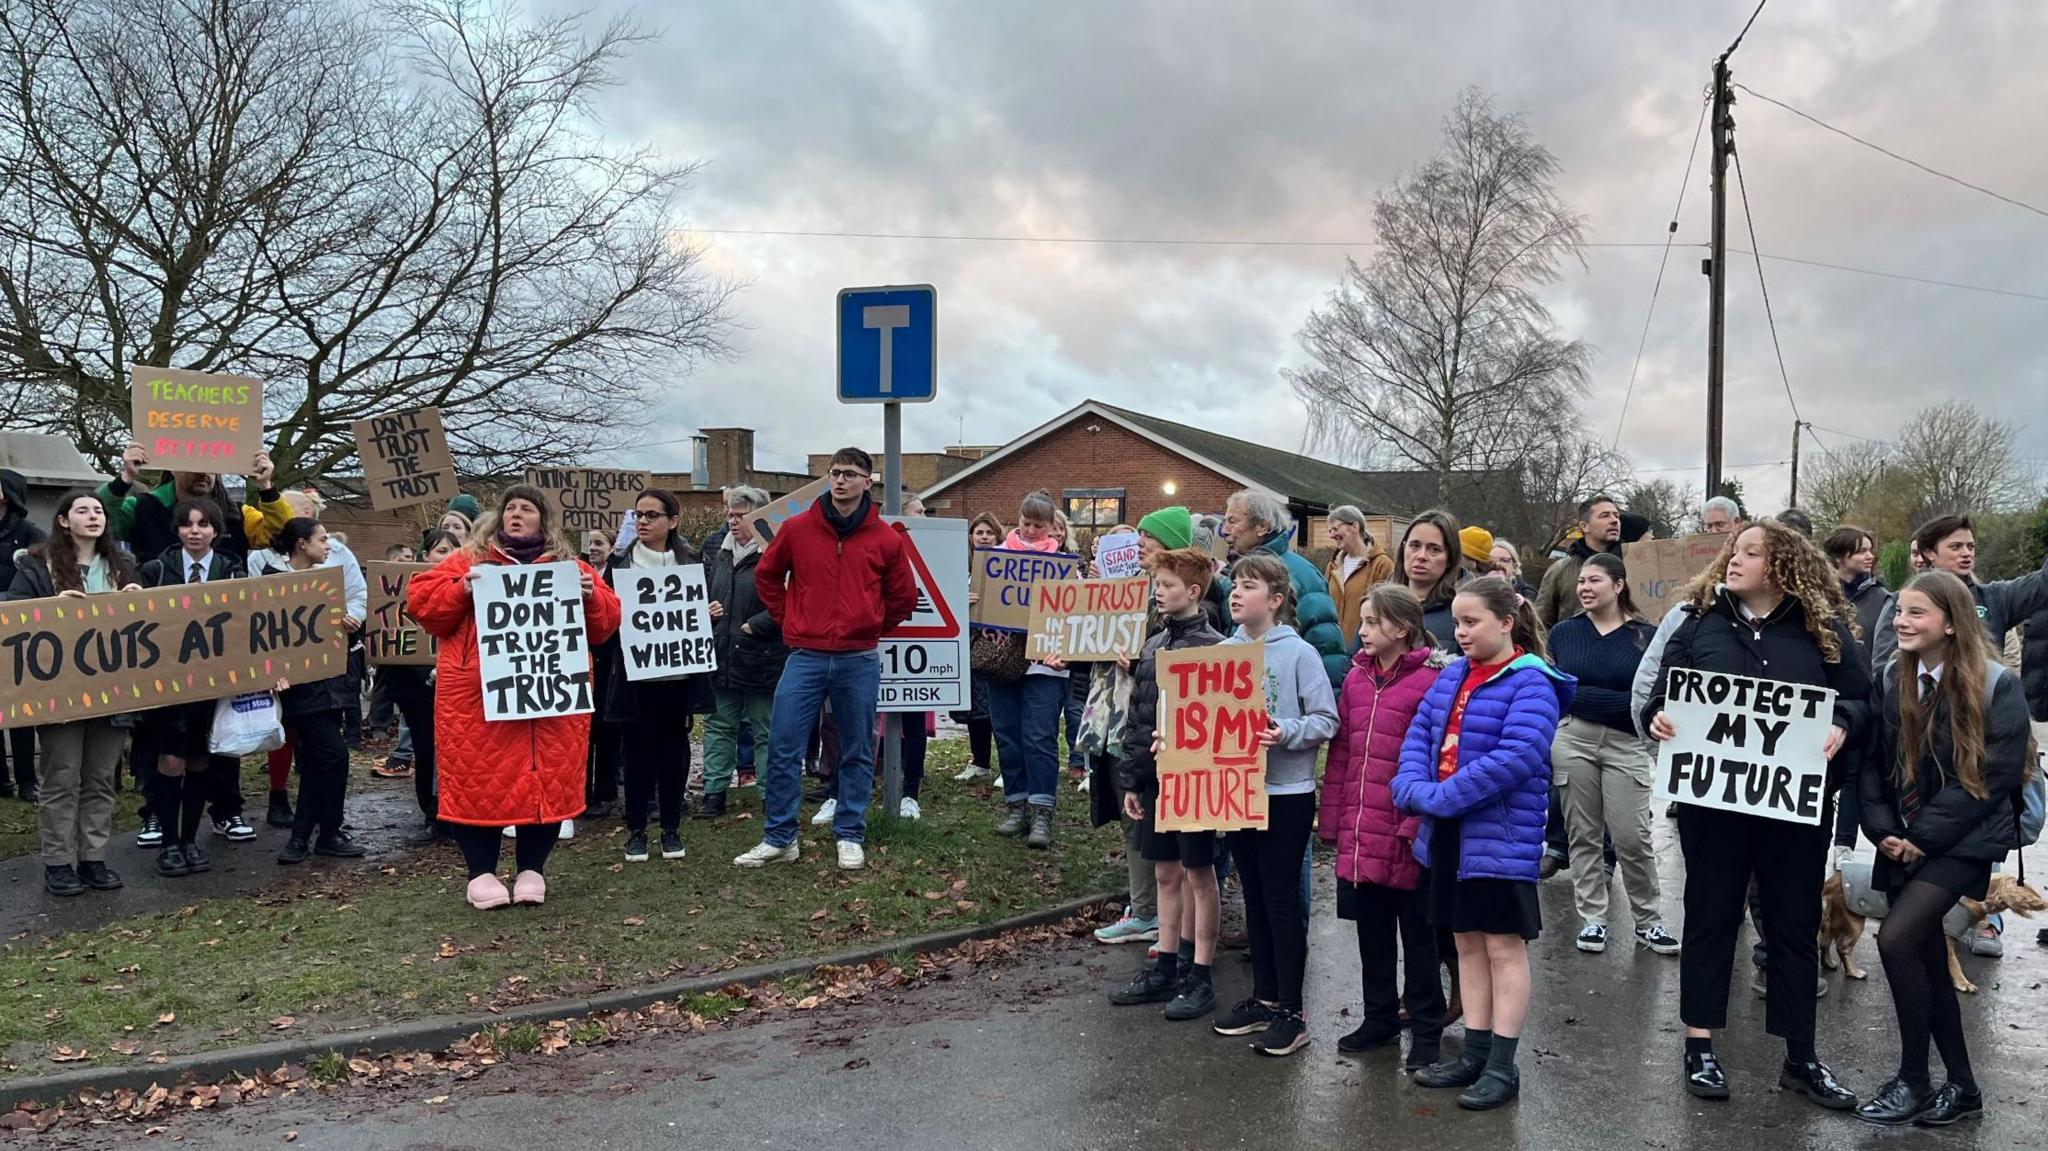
(523, 773)
(1378, 879)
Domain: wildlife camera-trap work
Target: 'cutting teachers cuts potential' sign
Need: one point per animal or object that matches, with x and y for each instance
(1757, 746)
(532, 650)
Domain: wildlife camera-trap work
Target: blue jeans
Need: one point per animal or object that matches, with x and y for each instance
(1027, 719)
(851, 680)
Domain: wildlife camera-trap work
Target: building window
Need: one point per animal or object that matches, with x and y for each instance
(1094, 509)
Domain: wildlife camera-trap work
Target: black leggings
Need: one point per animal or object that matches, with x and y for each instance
(323, 774)
(981, 741)
(913, 753)
(179, 801)
(1394, 931)
(530, 850)
(1269, 865)
(1915, 953)
(419, 720)
(657, 766)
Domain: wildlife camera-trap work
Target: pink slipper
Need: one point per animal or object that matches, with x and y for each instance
(487, 892)
(529, 889)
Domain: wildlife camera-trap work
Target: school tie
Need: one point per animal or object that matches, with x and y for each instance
(1909, 803)
(198, 575)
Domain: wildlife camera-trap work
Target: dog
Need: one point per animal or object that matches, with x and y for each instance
(1842, 925)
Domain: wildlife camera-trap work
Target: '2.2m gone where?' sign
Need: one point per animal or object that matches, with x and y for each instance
(1756, 746)
(196, 421)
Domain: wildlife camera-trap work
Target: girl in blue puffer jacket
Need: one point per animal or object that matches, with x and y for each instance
(1476, 768)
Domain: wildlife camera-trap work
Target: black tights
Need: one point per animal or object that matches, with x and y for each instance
(981, 738)
(1915, 953)
(480, 846)
(179, 802)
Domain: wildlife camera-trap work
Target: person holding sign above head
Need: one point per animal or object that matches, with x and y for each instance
(836, 579)
(75, 805)
(1770, 609)
(142, 518)
(1476, 768)
(1941, 801)
(655, 715)
(1185, 861)
(1429, 568)
(522, 773)
(313, 723)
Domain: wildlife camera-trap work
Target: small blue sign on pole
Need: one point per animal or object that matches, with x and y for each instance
(889, 345)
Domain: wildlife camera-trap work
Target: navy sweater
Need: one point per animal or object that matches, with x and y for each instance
(1604, 665)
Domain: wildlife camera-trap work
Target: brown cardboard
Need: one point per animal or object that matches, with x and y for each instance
(1089, 620)
(196, 421)
(1659, 569)
(771, 517)
(1212, 769)
(590, 499)
(405, 458)
(1000, 581)
(391, 637)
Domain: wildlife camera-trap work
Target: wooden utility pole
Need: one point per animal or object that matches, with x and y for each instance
(1792, 500)
(1723, 134)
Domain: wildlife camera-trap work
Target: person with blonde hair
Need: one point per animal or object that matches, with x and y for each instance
(1360, 565)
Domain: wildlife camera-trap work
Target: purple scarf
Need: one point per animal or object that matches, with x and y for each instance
(525, 549)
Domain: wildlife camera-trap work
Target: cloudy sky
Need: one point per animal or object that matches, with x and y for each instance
(1280, 121)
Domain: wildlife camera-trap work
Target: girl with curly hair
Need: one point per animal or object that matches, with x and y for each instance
(1770, 608)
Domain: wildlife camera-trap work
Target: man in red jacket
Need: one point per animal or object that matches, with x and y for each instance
(835, 580)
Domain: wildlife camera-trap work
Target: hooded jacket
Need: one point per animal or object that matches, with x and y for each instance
(1951, 821)
(836, 587)
(1501, 790)
(1375, 840)
(1135, 769)
(1868, 595)
(16, 532)
(1300, 702)
(1315, 613)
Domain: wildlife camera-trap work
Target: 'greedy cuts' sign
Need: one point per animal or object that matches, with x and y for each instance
(1757, 746)
(182, 418)
(1212, 768)
(1002, 579)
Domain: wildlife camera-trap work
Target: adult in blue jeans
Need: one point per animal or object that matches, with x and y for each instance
(835, 579)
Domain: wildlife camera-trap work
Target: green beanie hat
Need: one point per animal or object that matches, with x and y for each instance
(1173, 527)
(467, 505)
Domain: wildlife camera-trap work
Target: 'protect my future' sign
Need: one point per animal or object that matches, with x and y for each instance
(1755, 746)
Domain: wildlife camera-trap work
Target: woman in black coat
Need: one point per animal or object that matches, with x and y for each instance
(1939, 795)
(654, 715)
(312, 717)
(750, 651)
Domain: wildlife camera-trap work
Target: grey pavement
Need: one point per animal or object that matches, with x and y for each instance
(1027, 1053)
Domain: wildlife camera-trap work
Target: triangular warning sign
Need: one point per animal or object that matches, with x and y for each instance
(934, 618)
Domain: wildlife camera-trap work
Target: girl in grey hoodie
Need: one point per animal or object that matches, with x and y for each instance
(1301, 715)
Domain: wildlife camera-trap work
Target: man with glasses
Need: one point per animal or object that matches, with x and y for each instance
(834, 579)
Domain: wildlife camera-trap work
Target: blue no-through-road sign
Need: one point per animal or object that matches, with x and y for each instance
(889, 344)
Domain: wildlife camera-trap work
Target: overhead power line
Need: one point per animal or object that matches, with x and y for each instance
(1670, 233)
(1745, 27)
(1907, 160)
(1769, 319)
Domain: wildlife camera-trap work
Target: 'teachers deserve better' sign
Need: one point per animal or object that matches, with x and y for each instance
(1212, 767)
(665, 622)
(533, 652)
(196, 421)
(1757, 746)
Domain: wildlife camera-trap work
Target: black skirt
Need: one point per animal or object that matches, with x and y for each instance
(1969, 878)
(1486, 906)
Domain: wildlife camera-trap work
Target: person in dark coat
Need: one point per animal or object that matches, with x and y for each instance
(1429, 567)
(654, 715)
(17, 534)
(411, 690)
(141, 517)
(750, 651)
(312, 717)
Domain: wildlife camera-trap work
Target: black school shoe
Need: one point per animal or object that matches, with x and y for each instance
(338, 846)
(196, 859)
(98, 876)
(1951, 1105)
(712, 807)
(1463, 1073)
(62, 880)
(1197, 998)
(1817, 1083)
(1422, 1053)
(1151, 986)
(170, 862)
(295, 851)
(1896, 1104)
(1371, 1037)
(1496, 1088)
(1704, 1078)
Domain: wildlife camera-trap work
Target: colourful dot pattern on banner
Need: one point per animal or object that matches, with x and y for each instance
(157, 691)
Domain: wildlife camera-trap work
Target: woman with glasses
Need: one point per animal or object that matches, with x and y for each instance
(750, 651)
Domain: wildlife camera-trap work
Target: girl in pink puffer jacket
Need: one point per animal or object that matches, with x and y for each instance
(1378, 878)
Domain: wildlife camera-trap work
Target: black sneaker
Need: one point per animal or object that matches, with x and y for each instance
(1287, 1035)
(280, 814)
(671, 845)
(1372, 1037)
(636, 847)
(1197, 998)
(152, 833)
(603, 809)
(1249, 1017)
(1151, 986)
(196, 859)
(295, 851)
(1657, 939)
(1952, 1105)
(1593, 938)
(712, 806)
(170, 862)
(338, 846)
(427, 836)
(98, 876)
(234, 828)
(62, 880)
(1704, 1078)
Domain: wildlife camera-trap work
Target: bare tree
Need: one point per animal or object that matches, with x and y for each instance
(1837, 484)
(1963, 461)
(370, 212)
(1673, 509)
(1438, 355)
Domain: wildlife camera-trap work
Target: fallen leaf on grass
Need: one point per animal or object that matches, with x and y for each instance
(818, 914)
(291, 1137)
(283, 1022)
(855, 1064)
(634, 921)
(67, 1055)
(125, 1046)
(166, 1019)
(437, 1100)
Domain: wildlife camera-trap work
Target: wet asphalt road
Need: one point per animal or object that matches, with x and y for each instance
(1027, 1053)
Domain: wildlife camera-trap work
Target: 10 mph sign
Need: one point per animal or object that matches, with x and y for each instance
(924, 661)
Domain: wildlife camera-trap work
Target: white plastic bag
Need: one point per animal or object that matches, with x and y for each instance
(248, 724)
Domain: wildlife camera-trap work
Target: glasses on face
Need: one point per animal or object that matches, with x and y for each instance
(847, 474)
(652, 515)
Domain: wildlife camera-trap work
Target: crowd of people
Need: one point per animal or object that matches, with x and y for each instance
(1476, 734)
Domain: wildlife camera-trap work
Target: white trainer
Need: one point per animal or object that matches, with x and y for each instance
(909, 809)
(568, 829)
(971, 773)
(851, 856)
(826, 811)
(764, 853)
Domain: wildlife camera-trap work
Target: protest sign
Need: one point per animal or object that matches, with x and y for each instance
(665, 622)
(405, 459)
(392, 638)
(533, 653)
(196, 421)
(1212, 769)
(1002, 580)
(1659, 569)
(769, 518)
(69, 659)
(590, 499)
(1757, 746)
(1116, 555)
(1089, 620)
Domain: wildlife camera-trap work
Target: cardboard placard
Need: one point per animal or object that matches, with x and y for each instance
(1002, 580)
(406, 459)
(392, 638)
(771, 517)
(68, 659)
(1089, 620)
(590, 499)
(533, 652)
(1757, 746)
(1659, 569)
(196, 421)
(1116, 555)
(1212, 769)
(665, 622)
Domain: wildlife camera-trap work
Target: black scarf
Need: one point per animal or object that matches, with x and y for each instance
(526, 550)
(848, 524)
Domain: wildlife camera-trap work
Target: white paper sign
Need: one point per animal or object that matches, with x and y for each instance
(665, 622)
(1757, 746)
(924, 660)
(532, 651)
(1116, 555)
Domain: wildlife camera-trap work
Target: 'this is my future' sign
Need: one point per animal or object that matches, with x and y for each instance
(196, 421)
(1756, 746)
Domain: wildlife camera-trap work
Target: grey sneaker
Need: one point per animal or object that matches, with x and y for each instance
(1017, 822)
(1041, 829)
(1985, 941)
